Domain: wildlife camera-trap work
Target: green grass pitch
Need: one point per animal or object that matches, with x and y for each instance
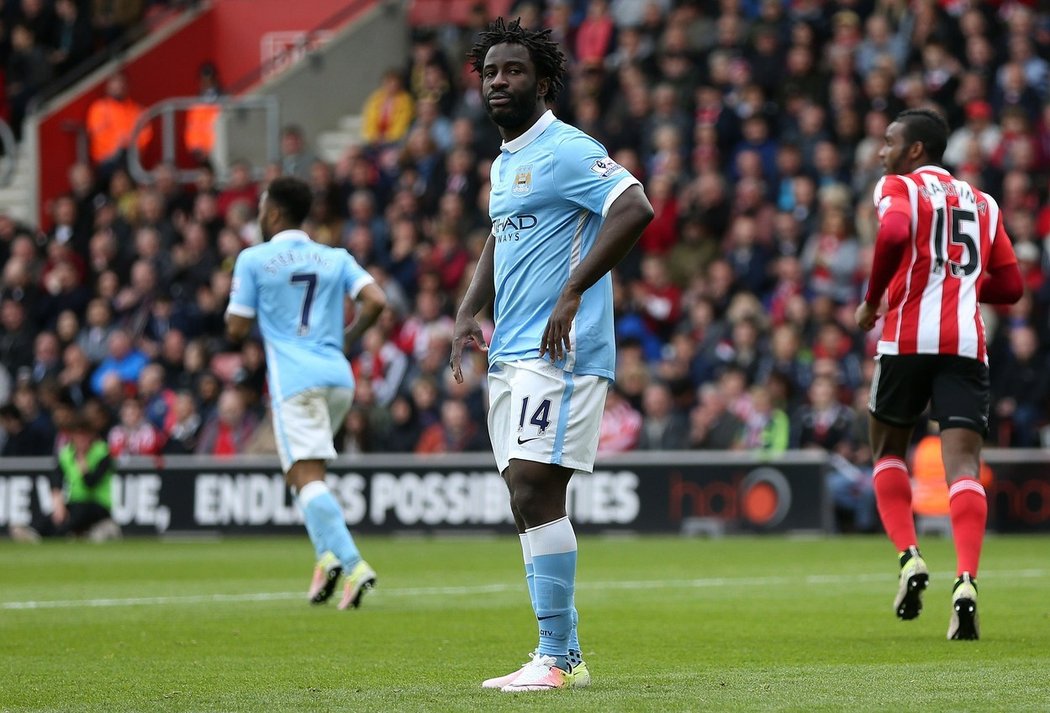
(667, 624)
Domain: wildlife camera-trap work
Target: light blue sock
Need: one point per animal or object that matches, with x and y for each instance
(324, 519)
(553, 548)
(530, 573)
(315, 537)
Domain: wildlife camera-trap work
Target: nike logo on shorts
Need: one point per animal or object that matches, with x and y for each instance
(523, 442)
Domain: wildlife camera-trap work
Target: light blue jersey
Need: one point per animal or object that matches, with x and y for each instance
(551, 189)
(296, 288)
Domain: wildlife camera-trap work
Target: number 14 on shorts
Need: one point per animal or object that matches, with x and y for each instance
(540, 418)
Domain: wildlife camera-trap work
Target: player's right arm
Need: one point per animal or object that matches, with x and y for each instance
(894, 209)
(370, 299)
(480, 293)
(244, 299)
(623, 225)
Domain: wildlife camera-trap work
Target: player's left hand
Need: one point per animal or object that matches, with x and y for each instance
(555, 342)
(466, 330)
(867, 315)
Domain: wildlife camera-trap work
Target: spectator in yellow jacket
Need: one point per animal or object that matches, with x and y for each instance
(388, 111)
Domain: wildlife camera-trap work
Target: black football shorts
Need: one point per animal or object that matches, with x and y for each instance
(955, 387)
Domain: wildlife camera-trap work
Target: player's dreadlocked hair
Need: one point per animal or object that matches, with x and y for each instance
(545, 54)
(928, 128)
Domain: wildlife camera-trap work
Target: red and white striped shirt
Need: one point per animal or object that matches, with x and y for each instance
(956, 235)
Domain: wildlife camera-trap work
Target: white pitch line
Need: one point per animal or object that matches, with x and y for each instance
(712, 582)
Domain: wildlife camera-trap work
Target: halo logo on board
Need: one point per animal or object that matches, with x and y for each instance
(765, 497)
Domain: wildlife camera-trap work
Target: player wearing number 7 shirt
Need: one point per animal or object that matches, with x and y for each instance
(940, 250)
(296, 287)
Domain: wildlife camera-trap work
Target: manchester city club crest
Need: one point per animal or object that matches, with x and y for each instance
(523, 181)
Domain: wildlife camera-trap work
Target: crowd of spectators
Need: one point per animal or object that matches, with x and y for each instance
(755, 126)
(44, 41)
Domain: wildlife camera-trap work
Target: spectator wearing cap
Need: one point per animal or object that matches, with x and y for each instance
(978, 128)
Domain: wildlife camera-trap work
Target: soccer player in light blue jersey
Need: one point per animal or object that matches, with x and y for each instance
(296, 288)
(563, 215)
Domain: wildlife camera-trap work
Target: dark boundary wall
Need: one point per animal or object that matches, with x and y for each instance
(649, 493)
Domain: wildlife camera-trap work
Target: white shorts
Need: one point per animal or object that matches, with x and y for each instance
(541, 413)
(304, 424)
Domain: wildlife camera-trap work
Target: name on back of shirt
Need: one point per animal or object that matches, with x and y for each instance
(291, 257)
(948, 189)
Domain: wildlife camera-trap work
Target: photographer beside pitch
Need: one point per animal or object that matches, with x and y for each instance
(563, 215)
(940, 250)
